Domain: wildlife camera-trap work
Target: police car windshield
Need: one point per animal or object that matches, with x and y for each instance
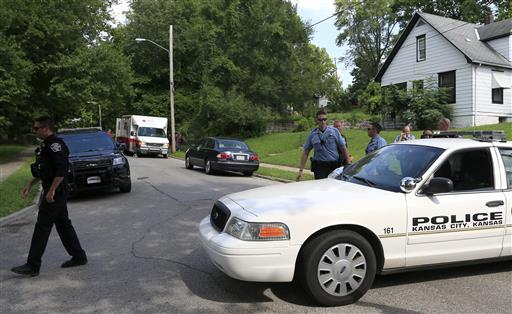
(232, 144)
(386, 167)
(152, 132)
(78, 143)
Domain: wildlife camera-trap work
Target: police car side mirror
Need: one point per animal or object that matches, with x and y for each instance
(407, 184)
(438, 185)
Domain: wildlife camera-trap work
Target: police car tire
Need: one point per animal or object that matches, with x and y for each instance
(316, 249)
(126, 187)
(188, 164)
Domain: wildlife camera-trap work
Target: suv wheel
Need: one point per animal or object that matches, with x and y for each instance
(126, 187)
(337, 267)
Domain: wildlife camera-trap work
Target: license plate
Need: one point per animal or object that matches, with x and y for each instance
(93, 180)
(238, 157)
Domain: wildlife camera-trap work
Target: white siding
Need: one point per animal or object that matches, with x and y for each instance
(485, 110)
(503, 46)
(441, 56)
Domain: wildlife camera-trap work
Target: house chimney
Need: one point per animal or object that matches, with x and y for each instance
(488, 19)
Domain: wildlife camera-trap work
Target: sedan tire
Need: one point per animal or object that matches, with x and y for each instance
(208, 167)
(188, 164)
(337, 267)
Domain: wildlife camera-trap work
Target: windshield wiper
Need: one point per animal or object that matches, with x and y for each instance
(368, 182)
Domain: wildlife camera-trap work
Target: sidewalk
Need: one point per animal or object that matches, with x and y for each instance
(7, 168)
(285, 168)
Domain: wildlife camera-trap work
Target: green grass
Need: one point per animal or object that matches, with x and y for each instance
(10, 190)
(281, 174)
(286, 148)
(9, 151)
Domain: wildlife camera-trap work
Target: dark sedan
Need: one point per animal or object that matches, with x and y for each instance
(222, 154)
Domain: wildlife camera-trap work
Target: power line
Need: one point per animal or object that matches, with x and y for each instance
(336, 13)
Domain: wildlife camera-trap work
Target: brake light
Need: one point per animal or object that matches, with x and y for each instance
(254, 157)
(224, 156)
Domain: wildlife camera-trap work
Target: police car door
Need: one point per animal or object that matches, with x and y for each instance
(464, 224)
(506, 158)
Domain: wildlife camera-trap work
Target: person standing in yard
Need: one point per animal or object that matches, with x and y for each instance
(444, 124)
(405, 135)
(327, 145)
(376, 141)
(51, 167)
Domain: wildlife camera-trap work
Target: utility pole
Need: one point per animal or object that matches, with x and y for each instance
(171, 93)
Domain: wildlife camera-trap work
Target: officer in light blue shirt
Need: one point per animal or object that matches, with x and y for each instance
(327, 144)
(405, 135)
(376, 141)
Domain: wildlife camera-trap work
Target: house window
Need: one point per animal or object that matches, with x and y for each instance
(418, 84)
(447, 80)
(497, 95)
(401, 86)
(421, 48)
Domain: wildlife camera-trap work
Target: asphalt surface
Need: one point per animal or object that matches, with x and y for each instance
(145, 256)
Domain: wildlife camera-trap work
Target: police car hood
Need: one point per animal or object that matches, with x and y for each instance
(278, 201)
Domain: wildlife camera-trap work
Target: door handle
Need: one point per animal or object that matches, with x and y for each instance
(494, 203)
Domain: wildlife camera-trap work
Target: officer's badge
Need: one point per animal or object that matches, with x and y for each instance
(56, 147)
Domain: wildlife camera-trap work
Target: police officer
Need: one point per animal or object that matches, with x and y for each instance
(327, 143)
(376, 141)
(51, 168)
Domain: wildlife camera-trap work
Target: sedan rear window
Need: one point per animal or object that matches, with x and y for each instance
(232, 144)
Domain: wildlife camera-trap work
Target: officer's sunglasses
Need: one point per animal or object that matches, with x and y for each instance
(322, 119)
(36, 128)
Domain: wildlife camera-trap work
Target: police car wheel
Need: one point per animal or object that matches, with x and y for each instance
(208, 167)
(126, 187)
(337, 267)
(188, 164)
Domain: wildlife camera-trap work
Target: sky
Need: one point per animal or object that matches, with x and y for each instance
(311, 11)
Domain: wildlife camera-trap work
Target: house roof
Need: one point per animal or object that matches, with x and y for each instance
(462, 35)
(495, 30)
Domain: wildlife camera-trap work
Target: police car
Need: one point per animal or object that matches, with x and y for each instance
(409, 205)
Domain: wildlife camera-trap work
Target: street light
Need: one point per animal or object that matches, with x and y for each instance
(171, 84)
(99, 108)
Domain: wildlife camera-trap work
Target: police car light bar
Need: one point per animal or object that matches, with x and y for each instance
(79, 130)
(479, 135)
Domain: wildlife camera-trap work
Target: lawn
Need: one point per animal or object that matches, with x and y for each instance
(286, 148)
(10, 189)
(9, 151)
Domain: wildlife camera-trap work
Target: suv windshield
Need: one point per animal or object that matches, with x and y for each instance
(385, 168)
(88, 142)
(152, 132)
(232, 144)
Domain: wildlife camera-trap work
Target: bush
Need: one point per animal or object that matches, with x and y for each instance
(305, 124)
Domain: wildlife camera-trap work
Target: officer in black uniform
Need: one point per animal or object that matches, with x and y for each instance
(51, 168)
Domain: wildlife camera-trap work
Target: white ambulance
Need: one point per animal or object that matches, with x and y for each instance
(143, 135)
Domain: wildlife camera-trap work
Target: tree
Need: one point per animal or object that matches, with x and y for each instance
(368, 27)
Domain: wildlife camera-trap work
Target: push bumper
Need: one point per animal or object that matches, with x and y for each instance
(263, 261)
(149, 150)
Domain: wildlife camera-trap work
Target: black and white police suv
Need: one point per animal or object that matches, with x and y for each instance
(409, 205)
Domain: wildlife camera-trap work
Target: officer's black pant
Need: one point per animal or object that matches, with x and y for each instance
(50, 214)
(322, 169)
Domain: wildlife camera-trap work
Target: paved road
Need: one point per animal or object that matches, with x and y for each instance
(145, 256)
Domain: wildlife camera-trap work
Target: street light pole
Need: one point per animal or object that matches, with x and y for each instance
(171, 85)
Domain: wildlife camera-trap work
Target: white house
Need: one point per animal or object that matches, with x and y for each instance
(474, 61)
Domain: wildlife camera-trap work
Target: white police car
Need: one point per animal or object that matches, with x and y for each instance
(421, 203)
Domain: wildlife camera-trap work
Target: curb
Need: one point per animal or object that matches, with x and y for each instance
(22, 212)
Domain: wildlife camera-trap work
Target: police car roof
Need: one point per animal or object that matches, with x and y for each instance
(454, 143)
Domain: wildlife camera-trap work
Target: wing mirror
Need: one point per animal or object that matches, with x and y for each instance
(408, 184)
(437, 185)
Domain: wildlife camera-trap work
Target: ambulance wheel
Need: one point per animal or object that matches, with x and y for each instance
(337, 267)
(188, 164)
(126, 187)
(165, 156)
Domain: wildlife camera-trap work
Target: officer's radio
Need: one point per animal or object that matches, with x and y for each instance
(35, 168)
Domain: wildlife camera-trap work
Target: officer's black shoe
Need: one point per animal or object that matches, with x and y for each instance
(25, 270)
(74, 262)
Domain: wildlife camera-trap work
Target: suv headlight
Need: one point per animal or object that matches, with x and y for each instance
(118, 161)
(257, 231)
